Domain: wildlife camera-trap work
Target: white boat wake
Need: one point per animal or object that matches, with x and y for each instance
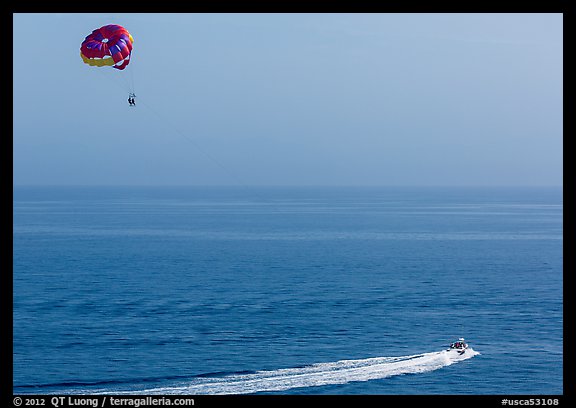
(339, 372)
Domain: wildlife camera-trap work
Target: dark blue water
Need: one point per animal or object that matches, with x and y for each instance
(287, 290)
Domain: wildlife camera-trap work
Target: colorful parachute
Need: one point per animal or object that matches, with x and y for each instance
(110, 45)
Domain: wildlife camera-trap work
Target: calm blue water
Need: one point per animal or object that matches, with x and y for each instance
(287, 290)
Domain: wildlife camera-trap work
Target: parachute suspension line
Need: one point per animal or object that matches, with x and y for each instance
(131, 68)
(118, 79)
(112, 78)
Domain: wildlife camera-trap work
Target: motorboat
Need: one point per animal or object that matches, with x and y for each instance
(459, 346)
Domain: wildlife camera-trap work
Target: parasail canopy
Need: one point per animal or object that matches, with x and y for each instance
(110, 45)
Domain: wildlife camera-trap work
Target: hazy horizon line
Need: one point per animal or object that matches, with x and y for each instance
(304, 185)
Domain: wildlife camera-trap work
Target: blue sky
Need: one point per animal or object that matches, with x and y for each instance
(292, 99)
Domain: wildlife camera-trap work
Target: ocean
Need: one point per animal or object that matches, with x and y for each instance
(287, 290)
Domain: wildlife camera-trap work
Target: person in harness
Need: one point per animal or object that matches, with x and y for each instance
(131, 100)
